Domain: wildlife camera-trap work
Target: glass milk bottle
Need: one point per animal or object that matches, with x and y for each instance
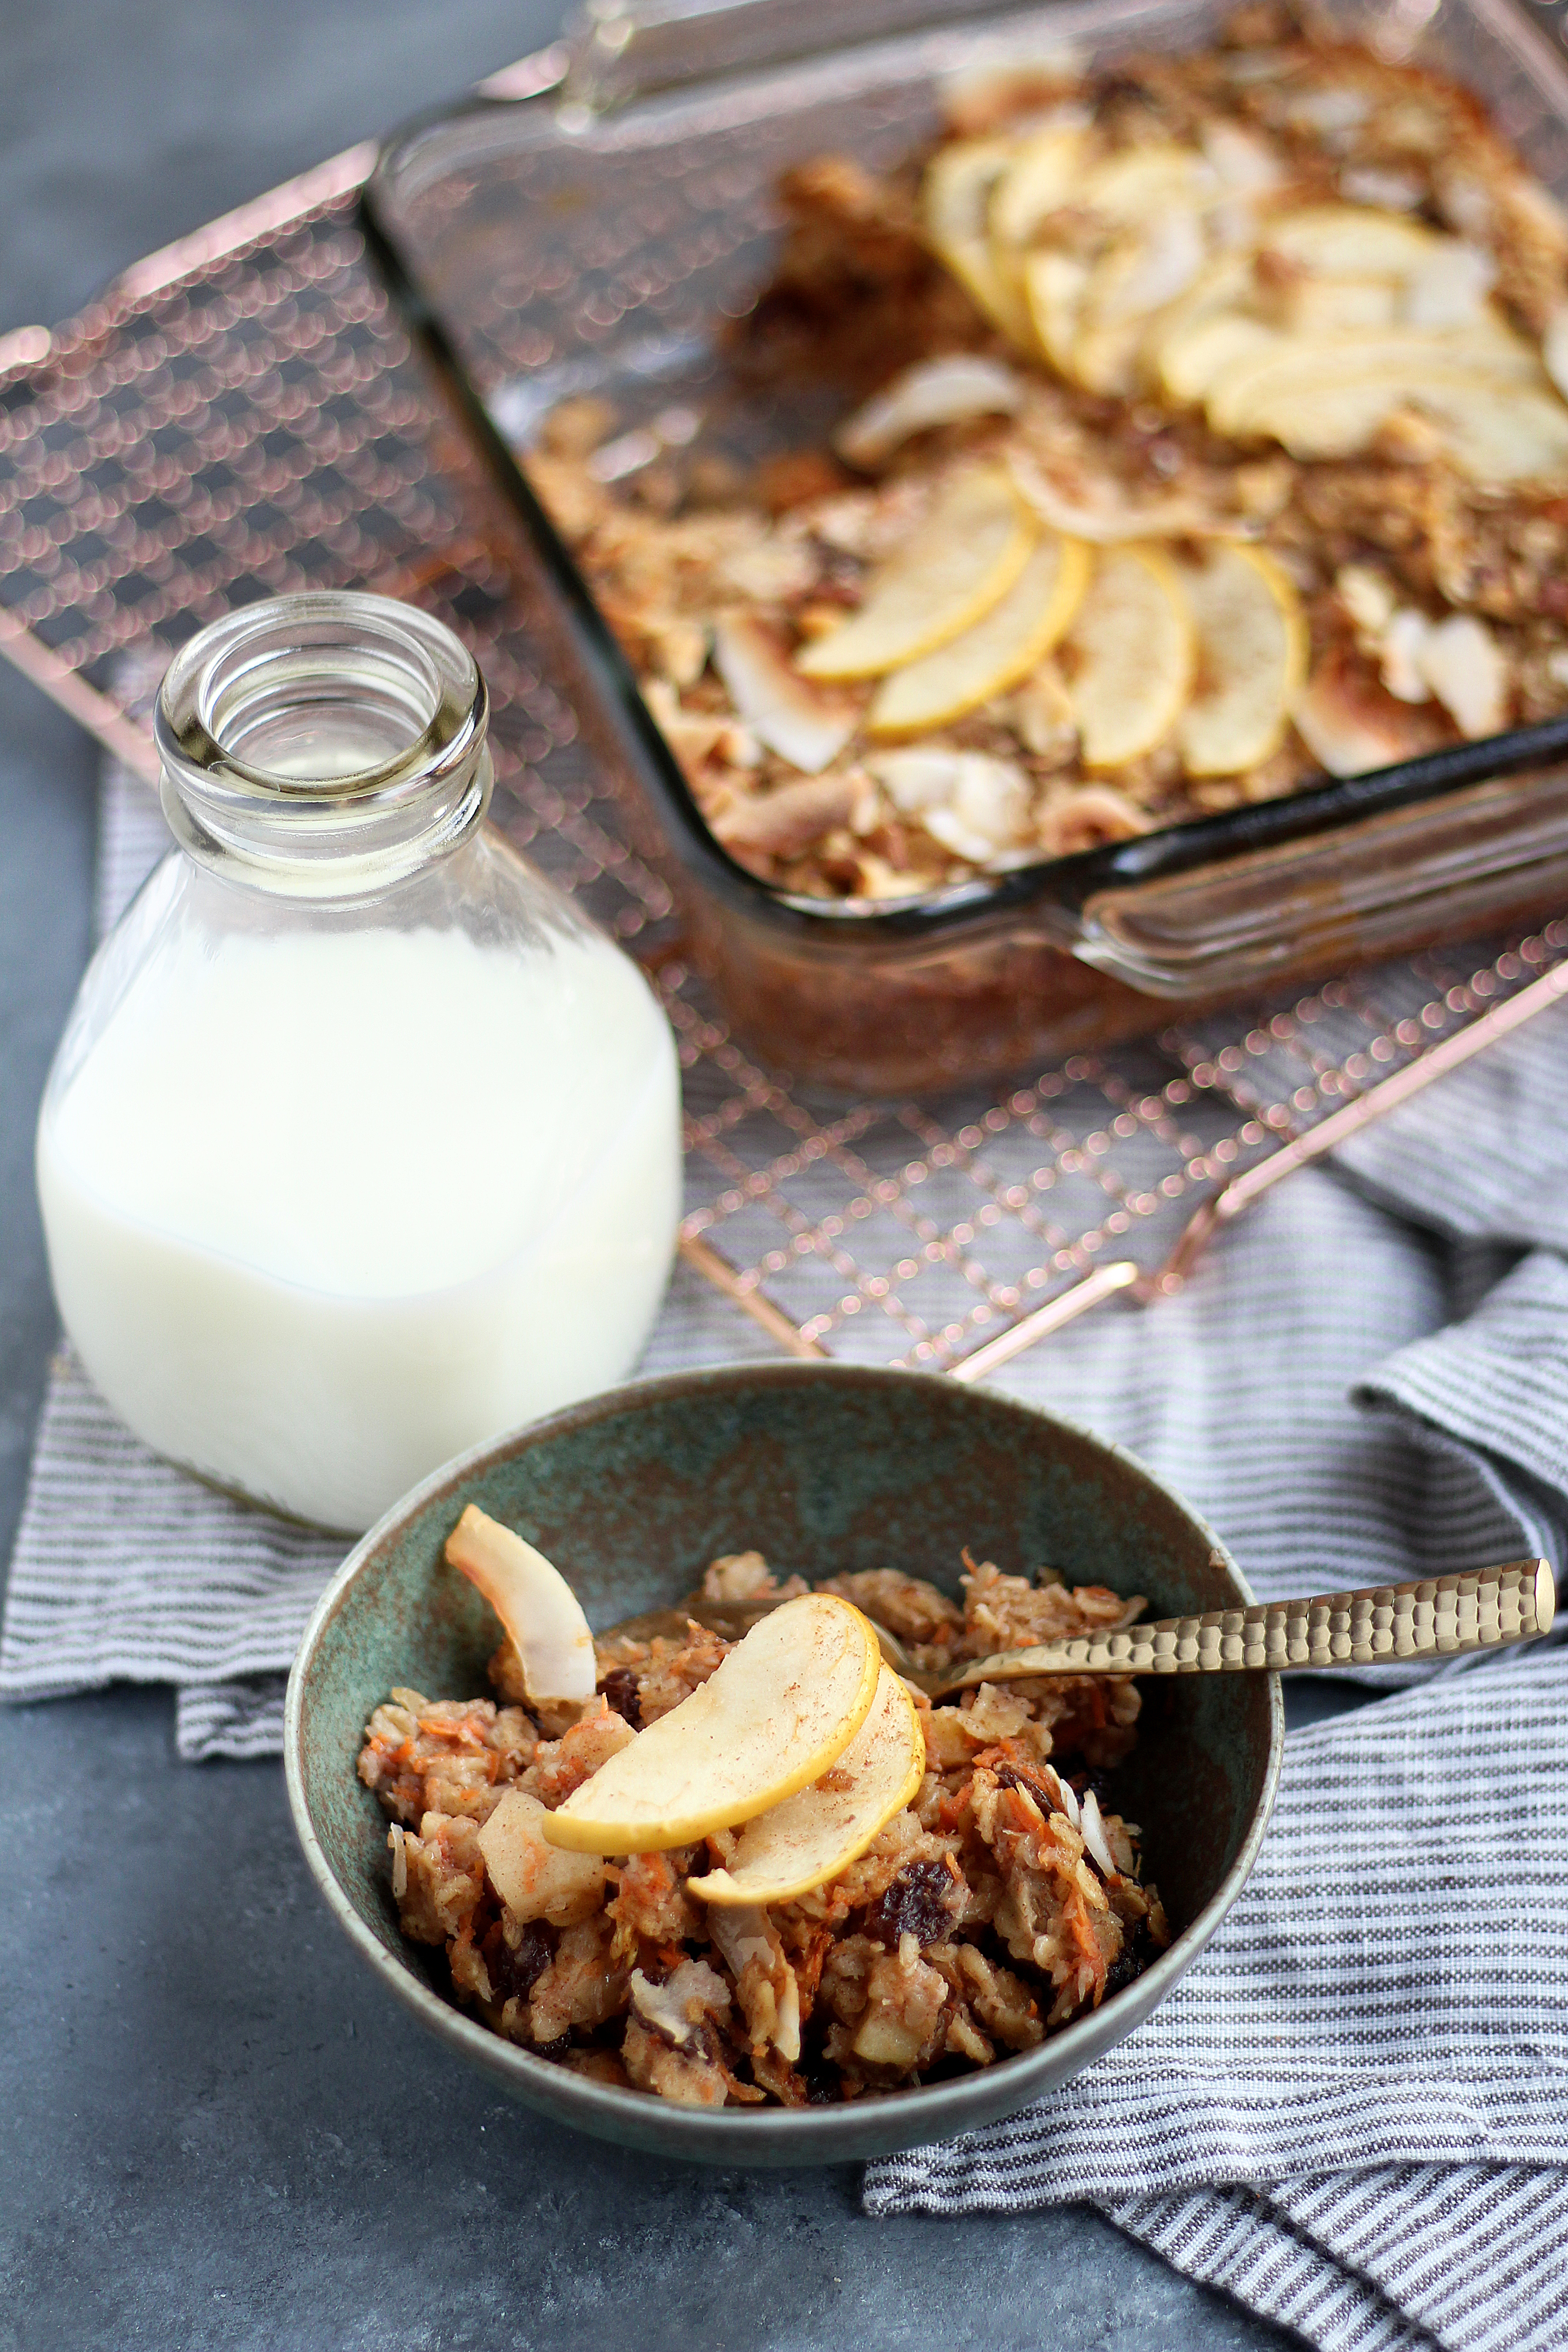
(361, 1144)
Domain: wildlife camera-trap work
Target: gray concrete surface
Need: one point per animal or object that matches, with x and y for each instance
(214, 2130)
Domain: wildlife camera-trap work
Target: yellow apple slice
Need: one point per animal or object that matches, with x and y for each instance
(1133, 648)
(1333, 306)
(1042, 173)
(962, 560)
(807, 729)
(1498, 432)
(782, 1707)
(1053, 287)
(1203, 355)
(1353, 241)
(1252, 656)
(534, 1601)
(817, 1833)
(997, 652)
(1239, 399)
(956, 198)
(1140, 274)
(1220, 292)
(534, 1879)
(1141, 181)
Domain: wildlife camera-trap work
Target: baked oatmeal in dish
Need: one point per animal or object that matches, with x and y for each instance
(1202, 429)
(1000, 1900)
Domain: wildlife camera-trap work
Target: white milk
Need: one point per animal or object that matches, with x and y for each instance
(325, 1208)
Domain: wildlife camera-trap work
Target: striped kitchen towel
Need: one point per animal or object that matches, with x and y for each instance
(1353, 2112)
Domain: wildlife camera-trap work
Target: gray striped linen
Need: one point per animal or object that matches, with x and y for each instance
(1354, 2113)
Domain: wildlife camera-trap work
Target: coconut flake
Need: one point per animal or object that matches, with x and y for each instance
(1094, 1836)
(742, 1932)
(1240, 157)
(916, 781)
(1402, 648)
(974, 805)
(677, 2006)
(933, 392)
(991, 798)
(1465, 669)
(780, 708)
(1067, 1799)
(1352, 725)
(1386, 192)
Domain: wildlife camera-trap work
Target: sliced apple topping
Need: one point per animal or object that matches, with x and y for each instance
(1132, 647)
(803, 726)
(1252, 655)
(998, 651)
(780, 1709)
(955, 198)
(534, 1603)
(1404, 358)
(1043, 173)
(1054, 285)
(960, 562)
(817, 1833)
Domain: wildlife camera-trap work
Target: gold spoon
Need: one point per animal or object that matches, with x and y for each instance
(1437, 1618)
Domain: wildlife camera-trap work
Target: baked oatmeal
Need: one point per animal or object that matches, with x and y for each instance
(1204, 432)
(1002, 1901)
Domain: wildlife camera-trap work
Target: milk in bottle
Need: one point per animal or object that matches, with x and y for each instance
(362, 1145)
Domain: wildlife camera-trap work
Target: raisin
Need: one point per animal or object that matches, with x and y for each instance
(921, 1903)
(1131, 1960)
(620, 1687)
(515, 1974)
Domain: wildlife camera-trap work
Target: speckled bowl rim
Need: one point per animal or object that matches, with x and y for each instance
(753, 2136)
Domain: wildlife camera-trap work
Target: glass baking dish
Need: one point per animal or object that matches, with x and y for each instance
(600, 235)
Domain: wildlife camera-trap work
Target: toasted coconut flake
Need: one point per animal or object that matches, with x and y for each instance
(1402, 648)
(933, 392)
(1094, 1837)
(1465, 670)
(676, 2007)
(534, 1601)
(1066, 1798)
(1352, 725)
(807, 729)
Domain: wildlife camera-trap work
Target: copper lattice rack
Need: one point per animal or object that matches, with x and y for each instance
(240, 415)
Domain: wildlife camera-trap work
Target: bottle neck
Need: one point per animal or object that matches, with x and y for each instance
(325, 746)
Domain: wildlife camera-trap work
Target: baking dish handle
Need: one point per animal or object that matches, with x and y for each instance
(1423, 872)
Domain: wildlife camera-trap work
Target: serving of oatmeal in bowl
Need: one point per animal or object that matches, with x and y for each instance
(728, 1884)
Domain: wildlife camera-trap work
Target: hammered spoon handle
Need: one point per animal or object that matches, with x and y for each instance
(1437, 1618)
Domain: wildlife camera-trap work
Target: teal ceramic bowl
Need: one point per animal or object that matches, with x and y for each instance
(824, 1468)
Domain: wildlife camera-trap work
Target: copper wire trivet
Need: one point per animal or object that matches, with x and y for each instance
(240, 415)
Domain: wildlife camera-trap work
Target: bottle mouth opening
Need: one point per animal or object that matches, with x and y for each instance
(324, 698)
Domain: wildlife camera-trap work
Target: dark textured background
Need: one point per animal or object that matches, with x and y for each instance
(213, 2129)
